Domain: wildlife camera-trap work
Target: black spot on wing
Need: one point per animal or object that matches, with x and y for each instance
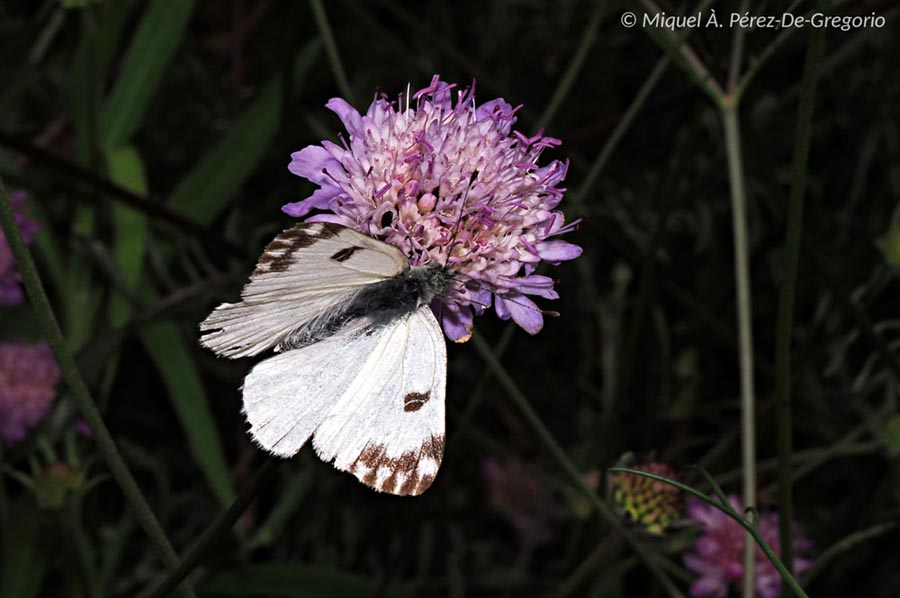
(279, 254)
(413, 401)
(344, 254)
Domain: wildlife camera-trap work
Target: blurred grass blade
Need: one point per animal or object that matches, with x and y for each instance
(166, 347)
(157, 38)
(203, 193)
(91, 59)
(126, 169)
(846, 545)
(284, 579)
(93, 56)
(23, 562)
(290, 498)
(81, 299)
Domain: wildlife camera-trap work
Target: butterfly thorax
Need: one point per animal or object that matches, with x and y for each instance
(375, 305)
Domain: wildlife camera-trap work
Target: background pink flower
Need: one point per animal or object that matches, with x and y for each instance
(10, 287)
(719, 552)
(28, 377)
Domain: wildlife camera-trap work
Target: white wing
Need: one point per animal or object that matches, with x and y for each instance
(374, 403)
(305, 271)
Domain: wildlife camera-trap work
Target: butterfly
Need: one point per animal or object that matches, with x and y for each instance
(361, 362)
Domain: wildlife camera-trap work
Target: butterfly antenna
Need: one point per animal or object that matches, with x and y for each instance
(543, 312)
(462, 211)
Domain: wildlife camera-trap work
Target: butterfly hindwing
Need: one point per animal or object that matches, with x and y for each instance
(308, 270)
(372, 400)
(387, 428)
(287, 396)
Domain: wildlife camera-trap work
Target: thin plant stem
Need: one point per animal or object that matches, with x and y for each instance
(50, 328)
(745, 329)
(217, 530)
(682, 53)
(844, 545)
(589, 565)
(612, 142)
(546, 438)
(575, 64)
(863, 322)
(151, 206)
(723, 505)
(767, 52)
(786, 299)
(331, 49)
(737, 53)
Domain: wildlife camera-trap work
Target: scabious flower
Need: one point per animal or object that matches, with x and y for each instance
(10, 288)
(719, 552)
(521, 496)
(447, 183)
(649, 503)
(28, 376)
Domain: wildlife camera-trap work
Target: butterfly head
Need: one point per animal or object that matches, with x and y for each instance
(432, 279)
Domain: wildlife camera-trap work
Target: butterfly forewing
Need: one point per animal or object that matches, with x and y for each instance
(305, 272)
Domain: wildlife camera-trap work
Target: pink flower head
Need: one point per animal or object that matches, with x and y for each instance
(719, 552)
(447, 183)
(521, 496)
(10, 288)
(28, 375)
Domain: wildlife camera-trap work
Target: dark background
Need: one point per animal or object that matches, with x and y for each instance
(643, 358)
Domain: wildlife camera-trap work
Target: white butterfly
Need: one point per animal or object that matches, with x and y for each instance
(362, 363)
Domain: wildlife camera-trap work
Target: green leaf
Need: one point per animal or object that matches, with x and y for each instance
(91, 61)
(289, 500)
(158, 36)
(24, 560)
(126, 168)
(204, 192)
(287, 580)
(166, 347)
(81, 300)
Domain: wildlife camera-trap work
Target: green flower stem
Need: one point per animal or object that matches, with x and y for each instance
(684, 56)
(745, 329)
(217, 530)
(726, 508)
(72, 376)
(549, 442)
(575, 64)
(612, 142)
(844, 545)
(150, 206)
(331, 50)
(786, 299)
(763, 57)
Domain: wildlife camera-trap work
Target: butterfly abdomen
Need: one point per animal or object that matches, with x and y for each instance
(375, 305)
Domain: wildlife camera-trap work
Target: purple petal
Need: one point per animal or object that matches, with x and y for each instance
(698, 510)
(701, 566)
(457, 324)
(522, 310)
(349, 116)
(319, 200)
(313, 162)
(10, 292)
(557, 251)
(708, 587)
(768, 586)
(336, 219)
(542, 286)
